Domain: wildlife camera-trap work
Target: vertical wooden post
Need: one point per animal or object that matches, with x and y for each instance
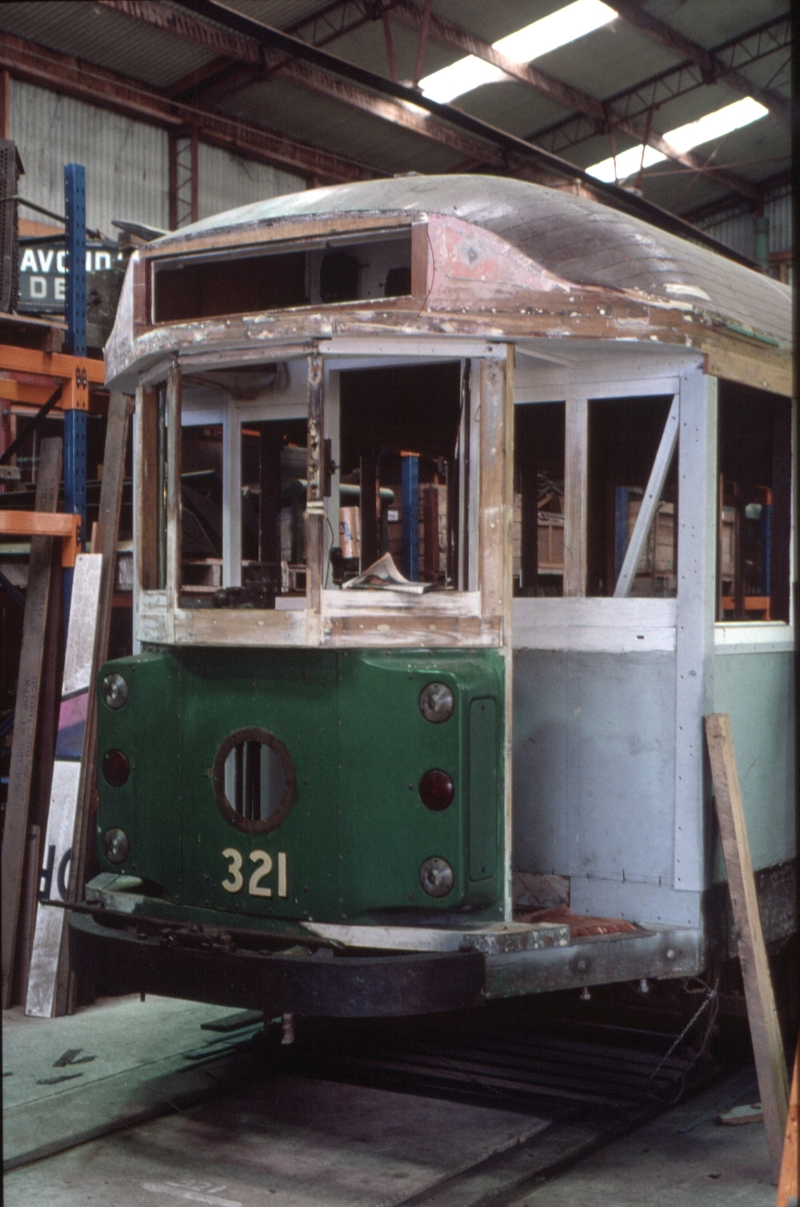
(146, 502)
(576, 473)
(315, 503)
(174, 567)
(430, 515)
(764, 1029)
(23, 750)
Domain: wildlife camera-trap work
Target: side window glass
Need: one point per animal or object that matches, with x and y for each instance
(539, 498)
(754, 504)
(201, 513)
(632, 512)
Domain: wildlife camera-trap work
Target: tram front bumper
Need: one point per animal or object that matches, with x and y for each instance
(137, 957)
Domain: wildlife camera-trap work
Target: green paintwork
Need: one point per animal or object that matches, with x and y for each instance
(483, 767)
(358, 832)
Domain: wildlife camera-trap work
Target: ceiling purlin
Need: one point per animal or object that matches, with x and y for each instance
(98, 86)
(228, 31)
(710, 64)
(749, 47)
(338, 18)
(262, 59)
(203, 80)
(223, 80)
(602, 115)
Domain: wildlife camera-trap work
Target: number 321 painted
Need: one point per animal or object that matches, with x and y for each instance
(234, 882)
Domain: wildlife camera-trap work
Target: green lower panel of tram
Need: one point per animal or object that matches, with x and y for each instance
(317, 784)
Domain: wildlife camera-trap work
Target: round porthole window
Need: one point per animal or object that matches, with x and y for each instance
(254, 780)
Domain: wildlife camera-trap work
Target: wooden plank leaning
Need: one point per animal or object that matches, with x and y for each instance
(787, 1185)
(23, 750)
(119, 413)
(57, 850)
(759, 996)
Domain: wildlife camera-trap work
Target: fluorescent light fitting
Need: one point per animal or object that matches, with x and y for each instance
(561, 27)
(683, 138)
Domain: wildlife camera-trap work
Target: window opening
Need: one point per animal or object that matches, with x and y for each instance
(401, 440)
(274, 468)
(153, 508)
(754, 500)
(539, 499)
(201, 513)
(331, 271)
(628, 437)
(254, 780)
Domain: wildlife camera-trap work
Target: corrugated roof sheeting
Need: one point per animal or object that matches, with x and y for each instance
(226, 181)
(330, 123)
(126, 161)
(600, 63)
(109, 39)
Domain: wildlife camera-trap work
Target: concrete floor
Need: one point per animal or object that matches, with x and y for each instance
(232, 1137)
(685, 1158)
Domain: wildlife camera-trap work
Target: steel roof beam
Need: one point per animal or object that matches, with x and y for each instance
(264, 58)
(711, 65)
(750, 47)
(603, 116)
(96, 86)
(228, 31)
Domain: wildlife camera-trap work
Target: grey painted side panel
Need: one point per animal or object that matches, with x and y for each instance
(644, 903)
(594, 751)
(757, 691)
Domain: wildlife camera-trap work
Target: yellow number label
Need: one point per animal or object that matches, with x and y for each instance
(254, 886)
(234, 882)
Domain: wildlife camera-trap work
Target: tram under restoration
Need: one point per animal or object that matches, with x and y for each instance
(459, 502)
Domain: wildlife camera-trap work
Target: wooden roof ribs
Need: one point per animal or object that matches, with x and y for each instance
(547, 266)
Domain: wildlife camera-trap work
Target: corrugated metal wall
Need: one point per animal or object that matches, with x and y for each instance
(127, 173)
(226, 181)
(735, 227)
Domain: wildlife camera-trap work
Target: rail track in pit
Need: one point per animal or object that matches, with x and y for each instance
(447, 1111)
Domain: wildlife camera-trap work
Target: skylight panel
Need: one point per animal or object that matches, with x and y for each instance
(683, 138)
(544, 35)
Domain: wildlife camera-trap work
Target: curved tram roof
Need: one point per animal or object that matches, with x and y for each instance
(576, 239)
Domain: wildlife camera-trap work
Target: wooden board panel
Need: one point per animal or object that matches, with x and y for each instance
(758, 371)
(58, 845)
(117, 427)
(764, 1028)
(23, 750)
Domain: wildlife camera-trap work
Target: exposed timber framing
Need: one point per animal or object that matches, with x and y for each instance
(601, 114)
(711, 64)
(93, 85)
(650, 502)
